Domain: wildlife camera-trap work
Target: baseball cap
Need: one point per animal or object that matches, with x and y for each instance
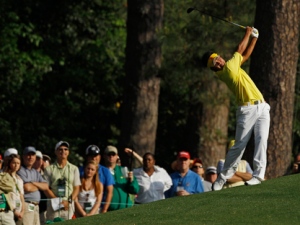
(60, 143)
(211, 169)
(39, 154)
(183, 154)
(46, 157)
(10, 151)
(29, 149)
(110, 149)
(92, 150)
(197, 160)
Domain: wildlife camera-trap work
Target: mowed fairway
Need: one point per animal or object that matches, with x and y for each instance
(276, 201)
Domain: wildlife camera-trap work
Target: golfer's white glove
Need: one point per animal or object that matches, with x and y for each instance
(254, 33)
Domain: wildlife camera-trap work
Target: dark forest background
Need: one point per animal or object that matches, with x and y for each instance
(128, 73)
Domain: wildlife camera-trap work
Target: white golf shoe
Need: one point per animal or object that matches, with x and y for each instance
(253, 181)
(219, 183)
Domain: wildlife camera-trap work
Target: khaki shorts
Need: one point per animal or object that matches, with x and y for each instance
(31, 215)
(7, 218)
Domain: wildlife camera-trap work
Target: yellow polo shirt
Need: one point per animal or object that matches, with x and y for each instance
(238, 81)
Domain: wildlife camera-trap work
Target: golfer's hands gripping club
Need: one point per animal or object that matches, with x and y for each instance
(254, 33)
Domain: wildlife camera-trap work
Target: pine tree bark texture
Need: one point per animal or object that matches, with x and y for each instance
(273, 69)
(214, 123)
(142, 84)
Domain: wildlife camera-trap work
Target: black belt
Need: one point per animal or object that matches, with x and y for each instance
(34, 203)
(3, 210)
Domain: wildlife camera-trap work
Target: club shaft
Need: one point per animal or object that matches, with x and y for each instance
(220, 18)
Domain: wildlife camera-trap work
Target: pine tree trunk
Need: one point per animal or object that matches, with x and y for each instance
(214, 123)
(142, 87)
(273, 69)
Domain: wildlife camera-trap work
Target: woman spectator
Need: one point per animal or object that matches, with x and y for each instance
(153, 180)
(90, 193)
(12, 165)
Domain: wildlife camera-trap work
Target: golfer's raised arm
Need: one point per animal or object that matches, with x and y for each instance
(251, 45)
(245, 48)
(244, 42)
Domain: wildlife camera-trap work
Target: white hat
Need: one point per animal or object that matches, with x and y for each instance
(111, 148)
(60, 144)
(10, 151)
(211, 169)
(39, 154)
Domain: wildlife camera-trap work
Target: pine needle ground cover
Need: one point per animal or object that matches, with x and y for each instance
(275, 201)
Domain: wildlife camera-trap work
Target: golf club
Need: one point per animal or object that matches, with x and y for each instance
(189, 10)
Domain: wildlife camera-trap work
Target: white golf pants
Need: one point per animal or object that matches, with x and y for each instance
(251, 118)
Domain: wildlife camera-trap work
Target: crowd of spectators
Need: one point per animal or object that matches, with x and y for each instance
(36, 190)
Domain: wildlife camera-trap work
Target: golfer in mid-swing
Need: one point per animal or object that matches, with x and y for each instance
(253, 113)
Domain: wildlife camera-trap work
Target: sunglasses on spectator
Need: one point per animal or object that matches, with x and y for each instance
(111, 154)
(196, 167)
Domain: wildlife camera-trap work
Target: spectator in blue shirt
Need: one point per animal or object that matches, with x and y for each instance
(185, 181)
(93, 153)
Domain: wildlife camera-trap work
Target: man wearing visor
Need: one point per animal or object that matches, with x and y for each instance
(252, 115)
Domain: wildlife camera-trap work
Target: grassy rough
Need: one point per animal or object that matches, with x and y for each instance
(275, 201)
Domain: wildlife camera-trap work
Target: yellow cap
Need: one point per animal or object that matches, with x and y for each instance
(211, 59)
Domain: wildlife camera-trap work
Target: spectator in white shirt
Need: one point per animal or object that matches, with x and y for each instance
(153, 180)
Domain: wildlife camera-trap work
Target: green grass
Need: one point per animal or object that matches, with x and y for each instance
(276, 201)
